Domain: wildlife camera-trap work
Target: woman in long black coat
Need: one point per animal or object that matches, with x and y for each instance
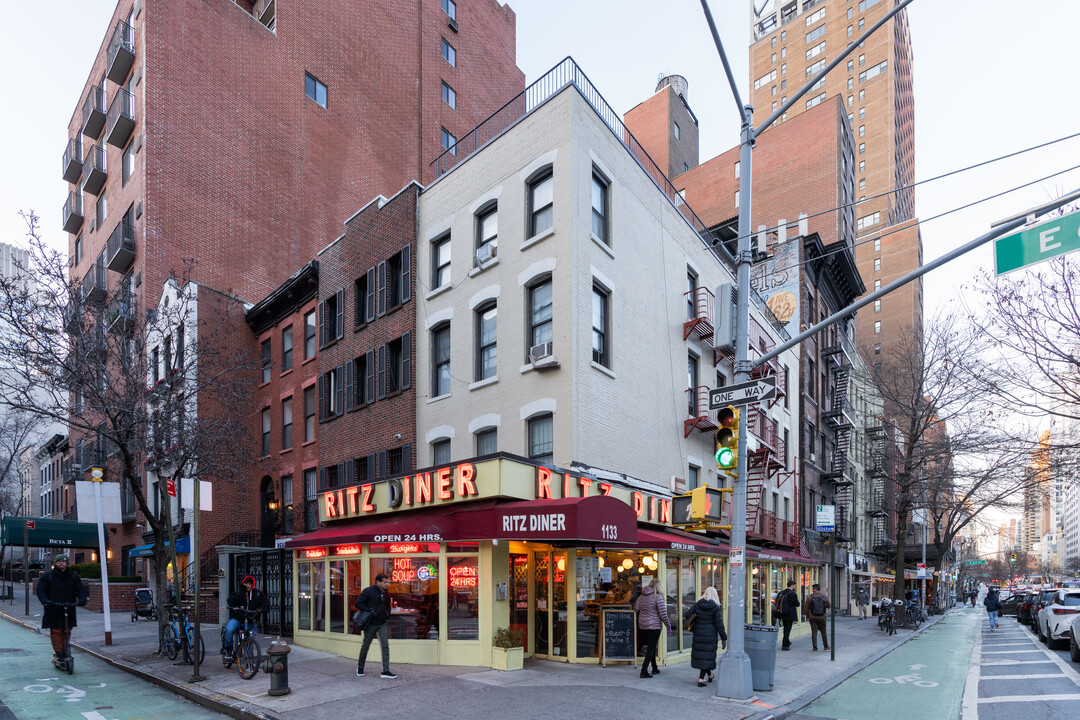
(708, 620)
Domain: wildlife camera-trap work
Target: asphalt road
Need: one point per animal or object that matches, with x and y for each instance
(32, 689)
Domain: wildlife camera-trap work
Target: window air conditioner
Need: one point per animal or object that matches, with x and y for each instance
(538, 353)
(485, 253)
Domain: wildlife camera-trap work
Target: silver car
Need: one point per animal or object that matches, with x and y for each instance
(1053, 622)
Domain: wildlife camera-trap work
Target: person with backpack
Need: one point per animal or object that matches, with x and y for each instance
(862, 601)
(651, 609)
(818, 607)
(992, 602)
(787, 606)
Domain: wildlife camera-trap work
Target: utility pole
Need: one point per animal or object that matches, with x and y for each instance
(734, 679)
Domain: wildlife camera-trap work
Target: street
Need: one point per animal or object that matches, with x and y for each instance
(32, 689)
(960, 669)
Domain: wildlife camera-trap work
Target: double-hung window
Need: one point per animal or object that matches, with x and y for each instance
(310, 335)
(486, 347)
(541, 195)
(601, 329)
(440, 360)
(440, 261)
(449, 96)
(286, 349)
(541, 439)
(600, 188)
(265, 432)
(540, 313)
(267, 362)
(315, 89)
(286, 423)
(487, 233)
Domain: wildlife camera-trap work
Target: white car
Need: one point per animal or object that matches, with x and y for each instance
(1053, 622)
(1074, 633)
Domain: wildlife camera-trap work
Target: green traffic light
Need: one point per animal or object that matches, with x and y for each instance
(725, 458)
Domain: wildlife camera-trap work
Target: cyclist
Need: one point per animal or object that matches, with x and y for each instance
(249, 598)
(60, 585)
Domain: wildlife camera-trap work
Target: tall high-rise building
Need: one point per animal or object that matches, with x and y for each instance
(793, 40)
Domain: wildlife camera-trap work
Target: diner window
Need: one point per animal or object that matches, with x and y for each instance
(414, 593)
(286, 423)
(440, 360)
(286, 349)
(309, 414)
(541, 199)
(267, 361)
(487, 441)
(462, 596)
(486, 341)
(309, 335)
(541, 439)
(600, 193)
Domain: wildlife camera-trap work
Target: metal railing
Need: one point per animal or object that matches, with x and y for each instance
(71, 165)
(120, 248)
(73, 212)
(94, 111)
(121, 48)
(121, 118)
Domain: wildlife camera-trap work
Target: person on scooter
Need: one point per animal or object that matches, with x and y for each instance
(60, 585)
(249, 598)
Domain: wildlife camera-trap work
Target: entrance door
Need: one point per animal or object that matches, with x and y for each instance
(519, 596)
(541, 622)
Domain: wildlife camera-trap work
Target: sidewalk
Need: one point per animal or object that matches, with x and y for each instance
(325, 685)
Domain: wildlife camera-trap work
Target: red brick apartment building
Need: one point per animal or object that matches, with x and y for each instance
(242, 134)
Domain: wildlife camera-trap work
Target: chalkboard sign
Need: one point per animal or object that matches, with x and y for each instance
(619, 639)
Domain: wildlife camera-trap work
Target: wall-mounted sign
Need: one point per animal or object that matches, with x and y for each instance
(315, 552)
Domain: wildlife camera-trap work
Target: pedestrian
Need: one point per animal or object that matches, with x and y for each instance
(705, 619)
(787, 608)
(992, 601)
(376, 600)
(651, 609)
(244, 604)
(60, 585)
(818, 608)
(862, 601)
(972, 596)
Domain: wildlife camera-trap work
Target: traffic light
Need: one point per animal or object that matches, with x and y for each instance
(727, 439)
(1012, 557)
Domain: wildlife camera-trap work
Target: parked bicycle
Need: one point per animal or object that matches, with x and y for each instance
(889, 619)
(171, 639)
(245, 650)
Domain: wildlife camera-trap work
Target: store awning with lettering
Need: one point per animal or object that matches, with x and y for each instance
(679, 541)
(47, 532)
(183, 547)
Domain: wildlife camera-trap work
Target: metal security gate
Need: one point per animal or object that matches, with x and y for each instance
(273, 572)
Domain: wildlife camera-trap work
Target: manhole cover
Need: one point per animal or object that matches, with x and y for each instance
(11, 650)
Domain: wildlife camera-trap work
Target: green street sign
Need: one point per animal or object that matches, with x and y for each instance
(974, 562)
(1037, 243)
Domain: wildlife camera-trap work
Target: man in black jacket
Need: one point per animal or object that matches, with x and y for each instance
(248, 598)
(376, 600)
(787, 603)
(60, 585)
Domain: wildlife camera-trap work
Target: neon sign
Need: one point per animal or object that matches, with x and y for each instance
(315, 553)
(347, 550)
(463, 576)
(444, 484)
(404, 548)
(401, 570)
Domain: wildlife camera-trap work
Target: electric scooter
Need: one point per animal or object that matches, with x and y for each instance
(65, 663)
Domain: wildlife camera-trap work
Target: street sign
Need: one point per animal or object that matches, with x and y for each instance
(1037, 243)
(170, 486)
(921, 568)
(30, 524)
(974, 562)
(744, 394)
(826, 518)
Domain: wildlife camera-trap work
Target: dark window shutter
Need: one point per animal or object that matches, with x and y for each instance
(369, 305)
(341, 474)
(382, 464)
(406, 361)
(349, 392)
(406, 459)
(322, 399)
(339, 328)
(370, 460)
(406, 272)
(339, 380)
(350, 475)
(380, 380)
(322, 478)
(369, 378)
(380, 288)
(319, 319)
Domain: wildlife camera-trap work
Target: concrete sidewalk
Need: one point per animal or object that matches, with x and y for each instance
(325, 685)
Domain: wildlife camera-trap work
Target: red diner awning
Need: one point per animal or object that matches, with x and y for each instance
(678, 540)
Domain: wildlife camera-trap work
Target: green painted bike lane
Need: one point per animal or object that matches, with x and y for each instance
(32, 689)
(922, 678)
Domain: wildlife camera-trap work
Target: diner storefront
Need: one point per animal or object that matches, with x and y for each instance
(500, 542)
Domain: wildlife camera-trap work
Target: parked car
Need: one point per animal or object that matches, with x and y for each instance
(1053, 618)
(1023, 609)
(1042, 599)
(1074, 633)
(1010, 604)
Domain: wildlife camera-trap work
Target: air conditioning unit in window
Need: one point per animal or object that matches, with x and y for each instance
(452, 23)
(542, 357)
(678, 484)
(485, 253)
(813, 458)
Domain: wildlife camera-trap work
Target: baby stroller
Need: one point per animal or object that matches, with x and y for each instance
(144, 605)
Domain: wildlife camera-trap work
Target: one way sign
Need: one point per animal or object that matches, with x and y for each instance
(762, 389)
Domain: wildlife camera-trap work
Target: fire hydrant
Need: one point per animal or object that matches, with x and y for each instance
(276, 666)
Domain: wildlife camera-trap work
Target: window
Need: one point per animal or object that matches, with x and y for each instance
(813, 17)
(311, 495)
(332, 318)
(396, 365)
(286, 423)
(309, 414)
(873, 72)
(868, 220)
(440, 360)
(449, 53)
(364, 293)
(862, 26)
(541, 440)
(765, 79)
(265, 432)
(101, 208)
(309, 335)
(540, 313)
(815, 101)
(331, 393)
(287, 504)
(541, 197)
(78, 250)
(267, 363)
(862, 131)
(783, 68)
(314, 89)
(877, 306)
(862, 166)
(862, 96)
(449, 96)
(877, 284)
(862, 113)
(487, 441)
(600, 207)
(849, 13)
(877, 244)
(774, 41)
(877, 327)
(286, 349)
(364, 379)
(815, 51)
(693, 477)
(487, 229)
(877, 348)
(862, 183)
(877, 264)
(783, 85)
(397, 276)
(783, 52)
(675, 129)
(815, 34)
(862, 148)
(850, 86)
(783, 36)
(737, 167)
(691, 294)
(773, 58)
(449, 142)
(851, 66)
(601, 331)
(450, 8)
(691, 384)
(440, 452)
(128, 164)
(486, 348)
(440, 261)
(850, 30)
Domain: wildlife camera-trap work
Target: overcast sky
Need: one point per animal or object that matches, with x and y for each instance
(991, 77)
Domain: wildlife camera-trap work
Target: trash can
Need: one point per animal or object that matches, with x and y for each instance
(760, 641)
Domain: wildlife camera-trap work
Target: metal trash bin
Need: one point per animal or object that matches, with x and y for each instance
(760, 642)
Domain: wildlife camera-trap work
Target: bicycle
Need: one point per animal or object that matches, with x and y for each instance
(245, 648)
(171, 642)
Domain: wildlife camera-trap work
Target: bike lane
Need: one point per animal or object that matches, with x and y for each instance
(32, 689)
(924, 677)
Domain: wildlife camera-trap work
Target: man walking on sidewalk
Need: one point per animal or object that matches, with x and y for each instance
(992, 601)
(818, 606)
(862, 601)
(376, 600)
(787, 604)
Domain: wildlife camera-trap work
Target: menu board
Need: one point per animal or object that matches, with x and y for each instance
(619, 636)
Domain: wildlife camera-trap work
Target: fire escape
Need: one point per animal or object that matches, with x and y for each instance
(880, 505)
(840, 471)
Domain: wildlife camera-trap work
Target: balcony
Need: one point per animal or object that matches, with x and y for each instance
(120, 313)
(120, 54)
(699, 414)
(121, 119)
(73, 212)
(120, 249)
(93, 285)
(94, 170)
(93, 112)
(765, 429)
(700, 304)
(770, 529)
(73, 160)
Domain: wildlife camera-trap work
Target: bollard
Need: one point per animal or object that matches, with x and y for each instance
(277, 666)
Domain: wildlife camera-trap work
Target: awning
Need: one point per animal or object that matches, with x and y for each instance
(47, 532)
(780, 556)
(183, 547)
(672, 539)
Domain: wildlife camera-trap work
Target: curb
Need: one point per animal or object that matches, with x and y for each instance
(817, 691)
(237, 709)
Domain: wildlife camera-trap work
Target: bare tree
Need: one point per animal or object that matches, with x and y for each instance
(152, 383)
(17, 431)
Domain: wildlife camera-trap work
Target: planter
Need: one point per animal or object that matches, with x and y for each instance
(507, 658)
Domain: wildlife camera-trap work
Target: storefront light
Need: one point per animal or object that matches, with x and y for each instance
(601, 561)
(627, 564)
(561, 564)
(641, 569)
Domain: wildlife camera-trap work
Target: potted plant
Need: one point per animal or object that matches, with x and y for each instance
(507, 652)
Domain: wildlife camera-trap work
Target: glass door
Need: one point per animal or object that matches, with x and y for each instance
(542, 623)
(519, 596)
